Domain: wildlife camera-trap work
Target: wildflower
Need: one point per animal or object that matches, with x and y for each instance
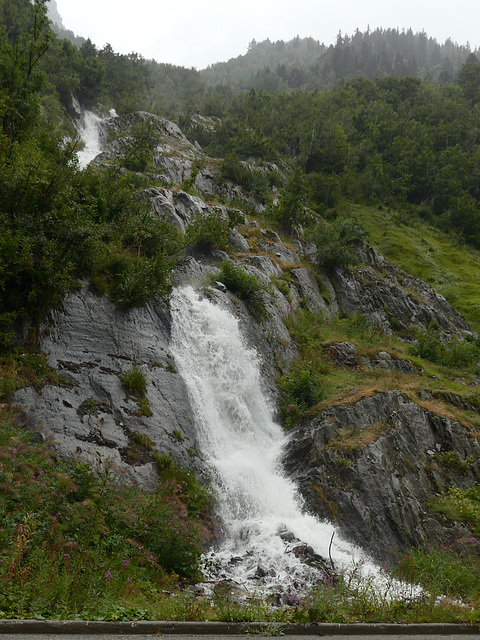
(107, 575)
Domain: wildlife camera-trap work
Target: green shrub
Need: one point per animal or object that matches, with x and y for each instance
(301, 389)
(144, 408)
(189, 183)
(73, 543)
(453, 353)
(334, 242)
(198, 498)
(8, 386)
(208, 232)
(290, 211)
(244, 285)
(461, 505)
(134, 381)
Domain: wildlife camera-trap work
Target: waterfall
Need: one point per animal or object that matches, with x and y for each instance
(259, 507)
(90, 133)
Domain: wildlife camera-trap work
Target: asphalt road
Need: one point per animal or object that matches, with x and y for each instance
(415, 636)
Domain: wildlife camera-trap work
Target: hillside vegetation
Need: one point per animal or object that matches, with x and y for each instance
(304, 63)
(394, 160)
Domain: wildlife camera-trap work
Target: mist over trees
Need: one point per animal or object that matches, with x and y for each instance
(304, 63)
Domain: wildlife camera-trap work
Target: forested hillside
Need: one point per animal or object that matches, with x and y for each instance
(290, 158)
(304, 63)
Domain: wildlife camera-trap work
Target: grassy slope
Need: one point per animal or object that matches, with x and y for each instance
(450, 266)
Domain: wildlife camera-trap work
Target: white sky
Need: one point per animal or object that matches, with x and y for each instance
(194, 33)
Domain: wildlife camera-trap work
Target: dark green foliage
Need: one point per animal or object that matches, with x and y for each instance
(469, 79)
(431, 346)
(334, 242)
(197, 496)
(25, 37)
(399, 142)
(244, 285)
(207, 232)
(301, 389)
(142, 140)
(257, 181)
(59, 224)
(306, 64)
(69, 538)
(290, 212)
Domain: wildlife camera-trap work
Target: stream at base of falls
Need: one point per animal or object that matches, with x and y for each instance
(270, 544)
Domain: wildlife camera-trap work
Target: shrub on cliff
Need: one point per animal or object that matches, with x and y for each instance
(335, 240)
(245, 286)
(208, 232)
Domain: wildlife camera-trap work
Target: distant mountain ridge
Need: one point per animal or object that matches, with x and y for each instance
(54, 15)
(308, 64)
(59, 27)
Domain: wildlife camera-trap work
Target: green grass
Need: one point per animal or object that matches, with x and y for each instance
(73, 544)
(134, 381)
(438, 258)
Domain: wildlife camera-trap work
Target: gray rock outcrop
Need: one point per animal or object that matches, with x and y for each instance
(93, 344)
(393, 300)
(375, 465)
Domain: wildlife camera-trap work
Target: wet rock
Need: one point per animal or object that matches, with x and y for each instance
(308, 556)
(92, 417)
(263, 571)
(288, 536)
(377, 464)
(280, 251)
(238, 242)
(308, 290)
(386, 362)
(344, 354)
(393, 300)
(229, 588)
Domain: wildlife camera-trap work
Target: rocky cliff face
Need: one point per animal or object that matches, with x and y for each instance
(377, 489)
(375, 465)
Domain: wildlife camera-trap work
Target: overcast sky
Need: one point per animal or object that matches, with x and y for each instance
(194, 33)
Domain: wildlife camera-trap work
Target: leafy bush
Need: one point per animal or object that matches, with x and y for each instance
(72, 543)
(461, 505)
(290, 211)
(258, 182)
(453, 353)
(8, 386)
(244, 285)
(142, 141)
(301, 389)
(334, 241)
(208, 232)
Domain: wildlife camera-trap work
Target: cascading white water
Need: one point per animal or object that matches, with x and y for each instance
(259, 507)
(90, 134)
